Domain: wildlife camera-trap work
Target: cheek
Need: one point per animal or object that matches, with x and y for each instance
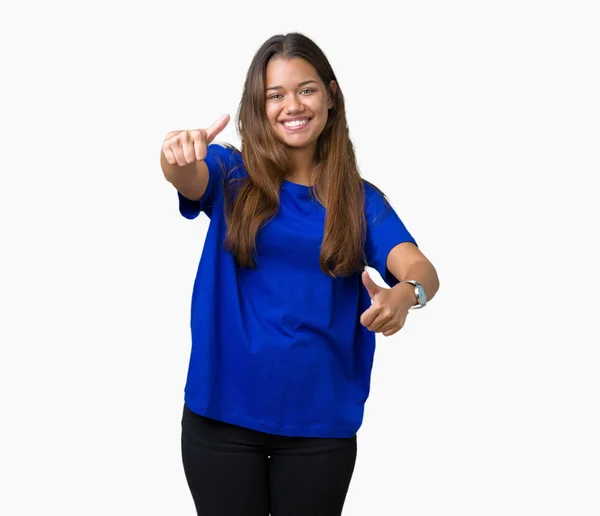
(272, 113)
(320, 108)
(323, 114)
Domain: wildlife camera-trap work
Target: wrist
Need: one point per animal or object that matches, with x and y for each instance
(406, 294)
(419, 297)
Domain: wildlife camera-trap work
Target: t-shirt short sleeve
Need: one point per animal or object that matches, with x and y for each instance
(385, 231)
(220, 160)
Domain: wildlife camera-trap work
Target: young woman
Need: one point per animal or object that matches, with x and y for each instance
(283, 315)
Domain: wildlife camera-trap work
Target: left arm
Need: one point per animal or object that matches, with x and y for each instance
(407, 262)
(389, 309)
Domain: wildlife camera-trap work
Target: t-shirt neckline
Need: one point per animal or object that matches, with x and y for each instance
(299, 185)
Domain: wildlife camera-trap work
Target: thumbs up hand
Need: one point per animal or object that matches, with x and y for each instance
(186, 147)
(389, 308)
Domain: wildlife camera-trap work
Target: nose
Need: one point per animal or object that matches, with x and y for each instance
(293, 104)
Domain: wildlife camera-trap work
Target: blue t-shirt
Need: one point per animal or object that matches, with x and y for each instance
(279, 348)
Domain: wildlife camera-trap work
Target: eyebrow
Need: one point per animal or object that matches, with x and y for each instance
(299, 85)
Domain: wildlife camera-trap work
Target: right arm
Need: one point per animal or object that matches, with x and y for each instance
(190, 180)
(182, 158)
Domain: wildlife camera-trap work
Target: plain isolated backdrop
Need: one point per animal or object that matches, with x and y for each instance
(480, 122)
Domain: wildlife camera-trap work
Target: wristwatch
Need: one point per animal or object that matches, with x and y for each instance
(419, 294)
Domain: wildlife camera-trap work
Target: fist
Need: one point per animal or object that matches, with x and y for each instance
(186, 147)
(389, 307)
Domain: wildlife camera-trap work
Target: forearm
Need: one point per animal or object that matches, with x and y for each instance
(423, 272)
(191, 180)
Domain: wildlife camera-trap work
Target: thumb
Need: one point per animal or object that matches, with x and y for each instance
(216, 128)
(370, 285)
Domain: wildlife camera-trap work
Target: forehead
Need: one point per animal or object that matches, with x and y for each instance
(289, 72)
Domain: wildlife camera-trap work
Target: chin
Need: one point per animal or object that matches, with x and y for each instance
(297, 143)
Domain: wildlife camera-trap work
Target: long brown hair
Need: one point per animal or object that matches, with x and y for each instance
(336, 180)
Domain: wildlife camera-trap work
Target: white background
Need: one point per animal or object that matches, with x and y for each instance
(479, 119)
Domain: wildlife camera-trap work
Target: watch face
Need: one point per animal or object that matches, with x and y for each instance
(421, 294)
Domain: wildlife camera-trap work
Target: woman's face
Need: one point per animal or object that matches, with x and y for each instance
(297, 102)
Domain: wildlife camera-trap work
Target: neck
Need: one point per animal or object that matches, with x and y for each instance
(302, 163)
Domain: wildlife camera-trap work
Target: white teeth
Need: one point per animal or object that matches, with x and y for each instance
(295, 123)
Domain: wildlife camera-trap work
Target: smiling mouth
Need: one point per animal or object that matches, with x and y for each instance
(296, 124)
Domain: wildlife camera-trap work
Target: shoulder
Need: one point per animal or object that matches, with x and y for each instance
(373, 192)
(227, 157)
(376, 202)
(223, 150)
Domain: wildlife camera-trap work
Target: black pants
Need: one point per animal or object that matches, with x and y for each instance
(235, 471)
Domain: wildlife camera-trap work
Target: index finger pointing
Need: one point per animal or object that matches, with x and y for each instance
(216, 128)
